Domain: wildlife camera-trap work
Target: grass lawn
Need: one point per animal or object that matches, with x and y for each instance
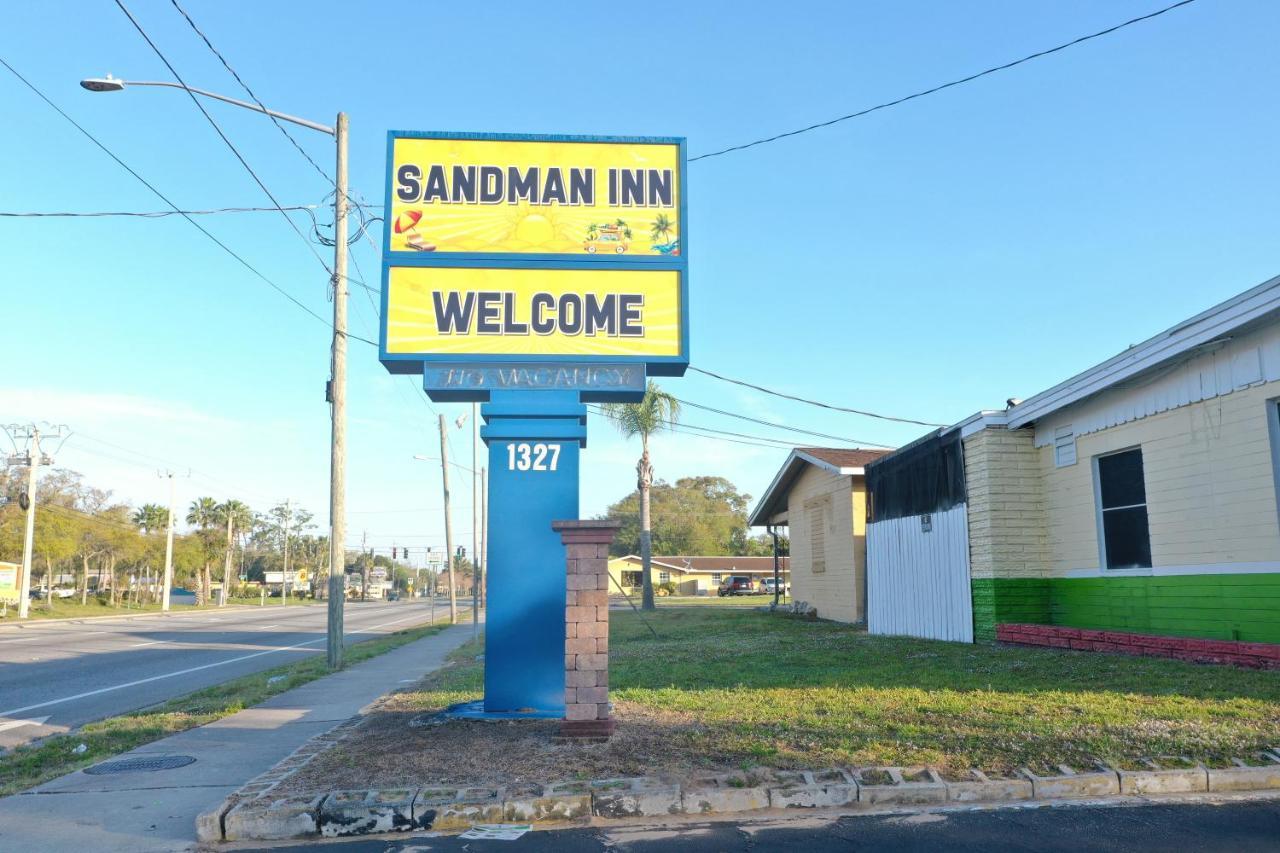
(725, 689)
(27, 766)
(71, 608)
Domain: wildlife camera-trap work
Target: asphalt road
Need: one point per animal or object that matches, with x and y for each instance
(1238, 827)
(55, 676)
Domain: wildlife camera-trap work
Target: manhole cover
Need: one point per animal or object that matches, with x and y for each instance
(128, 765)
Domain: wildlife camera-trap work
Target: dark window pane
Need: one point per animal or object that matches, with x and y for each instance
(1128, 541)
(1120, 479)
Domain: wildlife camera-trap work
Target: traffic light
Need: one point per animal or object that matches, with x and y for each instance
(393, 552)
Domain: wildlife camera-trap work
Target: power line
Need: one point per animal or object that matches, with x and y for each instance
(831, 406)
(681, 426)
(151, 214)
(223, 136)
(245, 86)
(939, 88)
(165, 198)
(853, 441)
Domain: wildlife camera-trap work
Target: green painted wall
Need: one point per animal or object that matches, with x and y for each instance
(1225, 607)
(1008, 600)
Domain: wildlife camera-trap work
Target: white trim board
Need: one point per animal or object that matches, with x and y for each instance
(1264, 568)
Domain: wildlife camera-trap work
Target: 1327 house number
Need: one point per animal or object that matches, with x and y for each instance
(532, 457)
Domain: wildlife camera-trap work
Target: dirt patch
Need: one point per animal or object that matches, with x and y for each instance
(386, 751)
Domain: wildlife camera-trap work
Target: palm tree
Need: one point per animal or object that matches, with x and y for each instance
(661, 229)
(657, 411)
(236, 516)
(151, 518)
(203, 513)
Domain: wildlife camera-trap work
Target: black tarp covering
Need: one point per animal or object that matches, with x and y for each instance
(927, 476)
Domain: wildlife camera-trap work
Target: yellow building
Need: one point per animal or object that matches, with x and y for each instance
(692, 575)
(1137, 497)
(820, 496)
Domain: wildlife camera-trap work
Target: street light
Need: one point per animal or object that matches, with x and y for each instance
(336, 390)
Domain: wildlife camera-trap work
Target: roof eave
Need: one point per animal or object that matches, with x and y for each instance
(1252, 305)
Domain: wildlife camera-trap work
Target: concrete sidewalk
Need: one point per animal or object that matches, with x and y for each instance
(156, 810)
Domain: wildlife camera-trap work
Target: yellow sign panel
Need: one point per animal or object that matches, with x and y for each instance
(498, 196)
(533, 312)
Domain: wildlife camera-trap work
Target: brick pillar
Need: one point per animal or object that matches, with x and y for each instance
(586, 620)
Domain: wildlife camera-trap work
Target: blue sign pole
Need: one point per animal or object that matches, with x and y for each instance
(534, 439)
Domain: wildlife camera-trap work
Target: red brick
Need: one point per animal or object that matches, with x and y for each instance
(571, 597)
(593, 694)
(1081, 644)
(580, 646)
(578, 711)
(588, 678)
(593, 598)
(592, 630)
(602, 645)
(578, 613)
(577, 582)
(602, 711)
(592, 661)
(570, 630)
(1263, 650)
(570, 695)
(585, 551)
(1069, 633)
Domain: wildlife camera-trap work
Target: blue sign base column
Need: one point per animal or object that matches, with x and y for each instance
(534, 438)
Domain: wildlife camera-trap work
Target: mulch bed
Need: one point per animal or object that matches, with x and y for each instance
(388, 752)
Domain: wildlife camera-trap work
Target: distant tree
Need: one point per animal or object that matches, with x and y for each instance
(695, 515)
(233, 515)
(203, 513)
(657, 411)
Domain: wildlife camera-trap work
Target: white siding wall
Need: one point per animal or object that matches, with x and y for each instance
(917, 582)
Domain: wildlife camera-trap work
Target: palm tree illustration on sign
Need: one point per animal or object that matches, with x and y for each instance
(660, 234)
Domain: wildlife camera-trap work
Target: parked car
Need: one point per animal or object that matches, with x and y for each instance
(39, 593)
(737, 585)
(767, 586)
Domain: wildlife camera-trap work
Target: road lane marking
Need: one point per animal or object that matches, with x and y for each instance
(17, 724)
(126, 685)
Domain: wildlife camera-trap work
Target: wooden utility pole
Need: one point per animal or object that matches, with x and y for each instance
(28, 540)
(448, 524)
(338, 399)
(284, 577)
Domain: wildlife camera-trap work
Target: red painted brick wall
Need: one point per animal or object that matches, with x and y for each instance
(1252, 655)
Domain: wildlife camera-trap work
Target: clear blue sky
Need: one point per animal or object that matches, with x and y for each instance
(929, 260)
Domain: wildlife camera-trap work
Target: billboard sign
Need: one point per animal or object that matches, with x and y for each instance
(503, 250)
(501, 195)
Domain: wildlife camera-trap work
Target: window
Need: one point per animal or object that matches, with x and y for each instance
(663, 577)
(631, 579)
(716, 577)
(1122, 510)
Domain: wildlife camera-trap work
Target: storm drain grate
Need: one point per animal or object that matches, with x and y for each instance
(127, 765)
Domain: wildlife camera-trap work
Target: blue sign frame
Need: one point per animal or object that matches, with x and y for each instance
(413, 363)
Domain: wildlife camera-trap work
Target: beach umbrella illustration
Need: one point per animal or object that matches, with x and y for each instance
(407, 224)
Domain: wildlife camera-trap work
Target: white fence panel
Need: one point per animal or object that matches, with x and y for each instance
(918, 579)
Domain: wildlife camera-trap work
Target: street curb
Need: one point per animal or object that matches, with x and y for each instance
(451, 808)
